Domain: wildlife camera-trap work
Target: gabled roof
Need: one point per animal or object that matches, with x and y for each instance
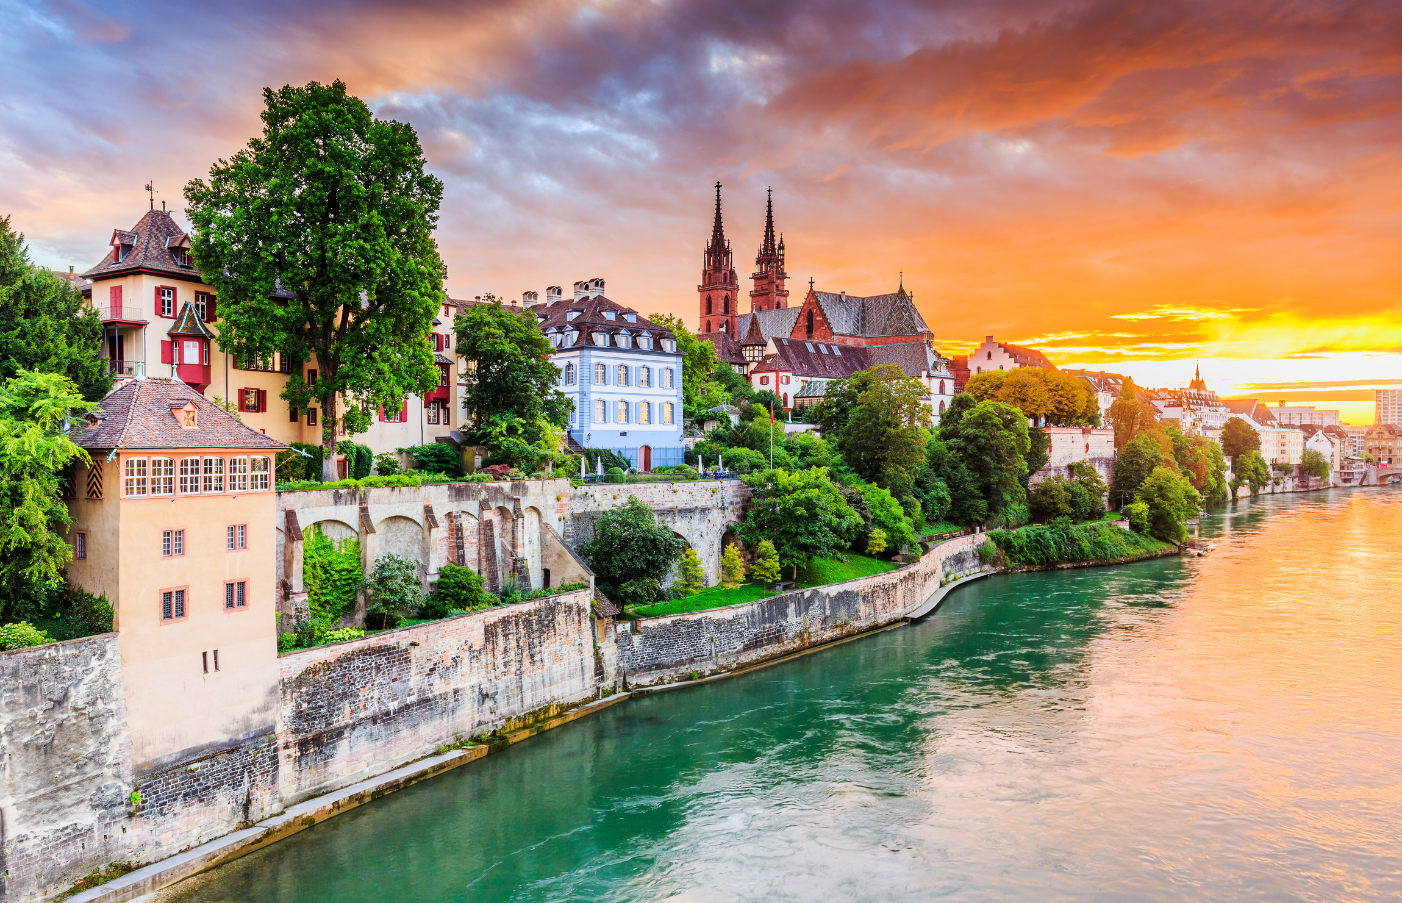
(727, 349)
(1250, 407)
(914, 358)
(137, 414)
(152, 242)
(1027, 357)
(591, 315)
(820, 360)
(188, 323)
(875, 315)
(776, 323)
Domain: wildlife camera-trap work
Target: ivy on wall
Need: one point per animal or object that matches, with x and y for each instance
(332, 573)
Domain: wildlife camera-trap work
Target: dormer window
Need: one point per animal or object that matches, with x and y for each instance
(622, 340)
(188, 416)
(182, 257)
(571, 314)
(601, 339)
(609, 315)
(631, 318)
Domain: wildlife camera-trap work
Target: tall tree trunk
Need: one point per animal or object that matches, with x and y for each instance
(329, 422)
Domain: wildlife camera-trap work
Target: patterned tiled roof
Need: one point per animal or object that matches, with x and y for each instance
(137, 414)
(727, 349)
(152, 240)
(592, 315)
(914, 358)
(188, 323)
(777, 323)
(876, 315)
(822, 360)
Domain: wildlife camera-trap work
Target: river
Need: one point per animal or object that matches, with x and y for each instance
(1224, 728)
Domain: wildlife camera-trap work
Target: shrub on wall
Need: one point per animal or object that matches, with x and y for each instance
(395, 590)
(332, 573)
(457, 589)
(436, 457)
(1060, 542)
(21, 634)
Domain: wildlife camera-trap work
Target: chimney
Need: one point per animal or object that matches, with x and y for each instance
(581, 290)
(529, 299)
(988, 340)
(163, 206)
(552, 294)
(596, 287)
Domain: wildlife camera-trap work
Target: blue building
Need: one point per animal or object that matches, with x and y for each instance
(622, 371)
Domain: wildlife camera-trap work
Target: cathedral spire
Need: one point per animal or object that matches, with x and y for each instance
(769, 248)
(717, 230)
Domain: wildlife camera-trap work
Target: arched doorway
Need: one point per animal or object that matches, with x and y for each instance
(645, 459)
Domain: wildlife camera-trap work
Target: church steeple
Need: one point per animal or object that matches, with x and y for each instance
(719, 291)
(769, 292)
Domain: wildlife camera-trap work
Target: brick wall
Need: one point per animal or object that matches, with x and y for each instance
(1073, 443)
(668, 648)
(697, 511)
(353, 710)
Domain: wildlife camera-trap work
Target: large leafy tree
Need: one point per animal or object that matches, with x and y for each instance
(34, 451)
(991, 441)
(802, 513)
(44, 325)
(1133, 465)
(1238, 438)
(878, 420)
(1250, 468)
(631, 552)
(1049, 397)
(1171, 500)
(698, 360)
(1314, 464)
(1130, 417)
(318, 237)
(510, 379)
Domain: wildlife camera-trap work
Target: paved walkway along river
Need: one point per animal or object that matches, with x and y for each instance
(1225, 728)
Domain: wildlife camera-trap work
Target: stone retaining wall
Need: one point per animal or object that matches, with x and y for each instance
(357, 709)
(669, 648)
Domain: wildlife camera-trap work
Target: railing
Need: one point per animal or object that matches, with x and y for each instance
(126, 368)
(659, 477)
(132, 312)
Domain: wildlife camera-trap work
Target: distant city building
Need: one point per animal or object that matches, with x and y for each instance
(993, 355)
(1384, 442)
(1107, 388)
(622, 372)
(1300, 415)
(1387, 406)
(1356, 438)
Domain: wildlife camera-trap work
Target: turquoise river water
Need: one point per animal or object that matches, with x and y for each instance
(1225, 728)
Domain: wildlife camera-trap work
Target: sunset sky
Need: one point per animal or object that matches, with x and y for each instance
(1126, 186)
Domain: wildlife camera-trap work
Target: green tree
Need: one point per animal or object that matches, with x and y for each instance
(878, 420)
(888, 517)
(457, 589)
(991, 441)
(1038, 450)
(876, 542)
(1130, 417)
(732, 569)
(1048, 397)
(692, 578)
(802, 513)
(510, 378)
(766, 568)
(630, 553)
(947, 479)
(1238, 438)
(1171, 501)
(698, 361)
(44, 324)
(1252, 470)
(395, 589)
(34, 453)
(1084, 475)
(1050, 499)
(1314, 464)
(1132, 467)
(318, 237)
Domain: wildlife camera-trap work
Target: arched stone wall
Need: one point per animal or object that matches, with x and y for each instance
(530, 545)
(402, 536)
(333, 530)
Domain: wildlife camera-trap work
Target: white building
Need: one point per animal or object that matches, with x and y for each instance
(1387, 406)
(622, 371)
(993, 355)
(1303, 415)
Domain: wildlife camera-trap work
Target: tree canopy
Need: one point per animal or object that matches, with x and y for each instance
(1314, 464)
(1238, 438)
(802, 513)
(1132, 467)
(1171, 501)
(1130, 417)
(878, 421)
(1049, 397)
(1250, 468)
(631, 553)
(44, 324)
(318, 238)
(991, 441)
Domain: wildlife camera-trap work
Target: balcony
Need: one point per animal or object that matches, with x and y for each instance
(124, 314)
(120, 368)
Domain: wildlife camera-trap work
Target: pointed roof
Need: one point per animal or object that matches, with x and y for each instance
(769, 247)
(188, 323)
(1197, 385)
(752, 335)
(717, 229)
(152, 243)
(137, 414)
(876, 315)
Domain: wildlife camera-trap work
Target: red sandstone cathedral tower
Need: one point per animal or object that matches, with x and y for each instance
(769, 292)
(720, 287)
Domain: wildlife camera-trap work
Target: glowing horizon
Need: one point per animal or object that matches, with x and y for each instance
(1125, 186)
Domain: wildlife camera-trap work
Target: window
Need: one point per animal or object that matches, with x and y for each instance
(601, 375)
(252, 400)
(203, 307)
(395, 415)
(311, 416)
(165, 301)
(431, 412)
(135, 478)
(173, 604)
(623, 412)
(622, 375)
(188, 420)
(236, 537)
(80, 545)
(644, 377)
(311, 377)
(238, 474)
(941, 407)
(189, 476)
(213, 474)
(809, 346)
(809, 325)
(764, 380)
(666, 412)
(601, 338)
(569, 374)
(941, 387)
(442, 375)
(644, 412)
(708, 305)
(190, 352)
(258, 472)
(235, 598)
(163, 476)
(667, 378)
(285, 363)
(172, 543)
(990, 355)
(725, 305)
(601, 411)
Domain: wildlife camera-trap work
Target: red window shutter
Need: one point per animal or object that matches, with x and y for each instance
(262, 399)
(382, 413)
(209, 310)
(404, 412)
(167, 353)
(156, 305)
(241, 396)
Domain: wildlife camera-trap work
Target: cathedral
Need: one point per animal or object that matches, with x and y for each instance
(796, 351)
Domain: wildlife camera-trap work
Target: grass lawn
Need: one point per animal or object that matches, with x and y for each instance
(938, 528)
(817, 573)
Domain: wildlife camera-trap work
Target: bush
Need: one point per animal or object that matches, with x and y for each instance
(395, 588)
(386, 464)
(93, 612)
(290, 467)
(436, 457)
(457, 589)
(359, 459)
(332, 573)
(630, 553)
(889, 517)
(311, 461)
(21, 634)
(497, 471)
(1061, 542)
(1137, 513)
(342, 635)
(592, 456)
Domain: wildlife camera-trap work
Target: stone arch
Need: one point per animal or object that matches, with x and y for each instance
(332, 529)
(402, 536)
(504, 526)
(530, 545)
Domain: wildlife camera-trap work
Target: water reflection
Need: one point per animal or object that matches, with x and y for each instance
(1216, 728)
